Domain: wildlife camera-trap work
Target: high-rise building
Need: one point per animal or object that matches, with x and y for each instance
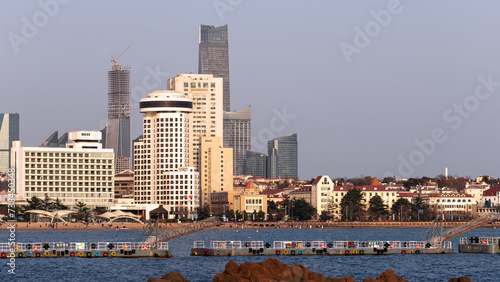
(282, 161)
(237, 135)
(206, 119)
(214, 57)
(255, 164)
(216, 173)
(162, 174)
(118, 128)
(9, 131)
(81, 172)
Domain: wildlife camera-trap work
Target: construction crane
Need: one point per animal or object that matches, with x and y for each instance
(113, 60)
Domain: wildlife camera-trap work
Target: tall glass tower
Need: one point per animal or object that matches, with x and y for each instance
(237, 135)
(9, 131)
(118, 128)
(282, 160)
(214, 57)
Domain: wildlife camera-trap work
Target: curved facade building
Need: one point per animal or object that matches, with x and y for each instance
(161, 157)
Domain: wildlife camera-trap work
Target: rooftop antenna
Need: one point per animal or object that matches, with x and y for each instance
(113, 60)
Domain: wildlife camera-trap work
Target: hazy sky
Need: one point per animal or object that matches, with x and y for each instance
(376, 88)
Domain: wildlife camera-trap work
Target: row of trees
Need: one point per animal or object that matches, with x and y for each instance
(49, 204)
(352, 207)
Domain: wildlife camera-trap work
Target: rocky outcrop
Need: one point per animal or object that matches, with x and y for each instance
(387, 276)
(170, 277)
(270, 270)
(460, 279)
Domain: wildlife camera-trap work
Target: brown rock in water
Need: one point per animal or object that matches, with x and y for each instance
(460, 279)
(270, 270)
(387, 276)
(170, 277)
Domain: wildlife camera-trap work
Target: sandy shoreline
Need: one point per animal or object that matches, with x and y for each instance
(251, 225)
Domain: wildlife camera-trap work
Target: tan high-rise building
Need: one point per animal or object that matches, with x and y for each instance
(216, 173)
(207, 117)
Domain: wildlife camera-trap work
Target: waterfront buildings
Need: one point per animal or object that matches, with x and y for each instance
(119, 126)
(321, 194)
(255, 164)
(237, 135)
(451, 206)
(214, 57)
(162, 174)
(250, 200)
(206, 119)
(124, 184)
(216, 169)
(81, 172)
(9, 131)
(282, 160)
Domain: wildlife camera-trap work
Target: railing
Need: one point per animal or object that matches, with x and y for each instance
(236, 244)
(183, 230)
(83, 246)
(468, 226)
(480, 240)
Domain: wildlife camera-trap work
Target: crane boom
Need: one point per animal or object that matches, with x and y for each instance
(113, 60)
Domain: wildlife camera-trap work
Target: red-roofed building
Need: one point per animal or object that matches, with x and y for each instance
(321, 194)
(491, 196)
(303, 192)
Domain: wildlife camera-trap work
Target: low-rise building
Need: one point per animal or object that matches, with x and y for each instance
(457, 206)
(250, 200)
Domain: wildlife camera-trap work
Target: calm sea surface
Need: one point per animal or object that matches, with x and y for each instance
(478, 267)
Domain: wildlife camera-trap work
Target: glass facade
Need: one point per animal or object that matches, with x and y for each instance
(9, 131)
(214, 57)
(283, 158)
(237, 135)
(255, 164)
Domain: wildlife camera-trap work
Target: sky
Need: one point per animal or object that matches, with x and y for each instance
(372, 88)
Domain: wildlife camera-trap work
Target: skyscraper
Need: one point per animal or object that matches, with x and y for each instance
(282, 160)
(162, 174)
(214, 57)
(255, 164)
(205, 90)
(118, 127)
(237, 135)
(9, 131)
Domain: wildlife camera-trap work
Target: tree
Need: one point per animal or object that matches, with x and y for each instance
(245, 216)
(261, 215)
(47, 203)
(325, 216)
(402, 207)
(203, 212)
(351, 204)
(271, 207)
(377, 207)
(238, 215)
(284, 184)
(58, 205)
(389, 179)
(82, 210)
(302, 209)
(230, 214)
(35, 203)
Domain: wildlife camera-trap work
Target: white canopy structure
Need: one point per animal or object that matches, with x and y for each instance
(54, 214)
(118, 214)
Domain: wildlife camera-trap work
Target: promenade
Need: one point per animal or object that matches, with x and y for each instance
(240, 225)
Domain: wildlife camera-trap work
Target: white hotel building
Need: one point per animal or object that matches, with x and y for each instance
(81, 172)
(162, 174)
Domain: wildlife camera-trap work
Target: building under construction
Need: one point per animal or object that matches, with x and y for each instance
(119, 127)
